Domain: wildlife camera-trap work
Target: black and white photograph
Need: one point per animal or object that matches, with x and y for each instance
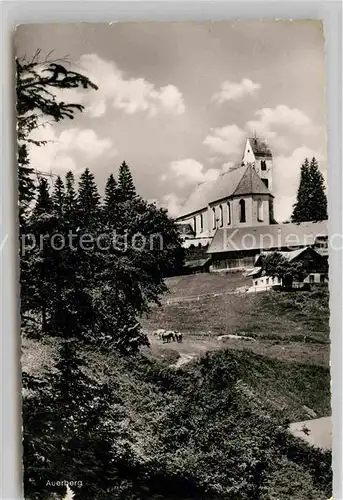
(174, 260)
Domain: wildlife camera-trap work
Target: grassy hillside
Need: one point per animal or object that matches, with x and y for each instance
(205, 283)
(289, 326)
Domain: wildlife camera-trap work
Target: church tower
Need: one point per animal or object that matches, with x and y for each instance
(258, 153)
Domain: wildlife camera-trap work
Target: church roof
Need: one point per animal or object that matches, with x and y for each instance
(237, 181)
(268, 237)
(259, 147)
(250, 183)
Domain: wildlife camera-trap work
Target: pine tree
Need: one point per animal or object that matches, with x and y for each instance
(127, 190)
(58, 196)
(318, 199)
(38, 271)
(26, 185)
(70, 196)
(88, 200)
(111, 202)
(311, 199)
(69, 432)
(44, 202)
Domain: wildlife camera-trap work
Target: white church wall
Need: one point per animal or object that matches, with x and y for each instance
(265, 174)
(260, 216)
(235, 212)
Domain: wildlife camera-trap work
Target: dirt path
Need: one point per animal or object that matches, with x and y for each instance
(196, 345)
(183, 359)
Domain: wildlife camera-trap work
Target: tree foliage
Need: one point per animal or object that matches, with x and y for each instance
(311, 204)
(275, 264)
(69, 432)
(37, 83)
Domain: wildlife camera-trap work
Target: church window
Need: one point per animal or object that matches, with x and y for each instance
(263, 165)
(201, 222)
(221, 219)
(265, 182)
(228, 213)
(259, 210)
(242, 217)
(195, 224)
(214, 218)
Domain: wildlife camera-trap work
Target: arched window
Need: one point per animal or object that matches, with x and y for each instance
(221, 218)
(201, 223)
(263, 165)
(228, 213)
(242, 217)
(214, 218)
(259, 210)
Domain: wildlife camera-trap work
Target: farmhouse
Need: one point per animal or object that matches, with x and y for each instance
(231, 219)
(314, 265)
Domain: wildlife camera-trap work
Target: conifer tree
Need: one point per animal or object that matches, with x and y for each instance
(58, 196)
(88, 200)
(127, 190)
(70, 197)
(111, 202)
(44, 202)
(311, 204)
(318, 198)
(68, 430)
(26, 185)
(38, 284)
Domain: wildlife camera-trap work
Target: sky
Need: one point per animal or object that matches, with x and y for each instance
(177, 101)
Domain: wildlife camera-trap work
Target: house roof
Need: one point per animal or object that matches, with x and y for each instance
(290, 256)
(254, 271)
(274, 236)
(260, 147)
(237, 181)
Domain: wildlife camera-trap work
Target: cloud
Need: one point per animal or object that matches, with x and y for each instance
(131, 95)
(226, 140)
(190, 171)
(286, 178)
(172, 203)
(281, 118)
(69, 148)
(231, 91)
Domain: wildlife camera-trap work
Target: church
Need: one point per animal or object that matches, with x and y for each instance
(231, 220)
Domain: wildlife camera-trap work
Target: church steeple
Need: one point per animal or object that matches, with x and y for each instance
(258, 153)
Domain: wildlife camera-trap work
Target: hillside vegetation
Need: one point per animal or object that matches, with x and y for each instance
(215, 429)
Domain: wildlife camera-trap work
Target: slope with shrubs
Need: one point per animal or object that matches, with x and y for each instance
(216, 429)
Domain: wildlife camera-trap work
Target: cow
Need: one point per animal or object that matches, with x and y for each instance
(168, 336)
(178, 337)
(158, 333)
